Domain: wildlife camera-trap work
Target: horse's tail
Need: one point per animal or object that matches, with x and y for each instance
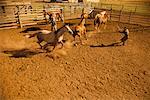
(95, 21)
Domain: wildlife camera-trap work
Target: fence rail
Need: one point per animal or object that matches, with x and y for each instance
(30, 14)
(125, 17)
(130, 7)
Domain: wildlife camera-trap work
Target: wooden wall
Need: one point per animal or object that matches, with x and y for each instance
(22, 14)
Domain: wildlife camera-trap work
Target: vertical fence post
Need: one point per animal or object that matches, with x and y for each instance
(101, 5)
(122, 7)
(135, 9)
(110, 7)
(111, 13)
(130, 16)
(143, 29)
(93, 13)
(75, 13)
(18, 17)
(120, 14)
(70, 12)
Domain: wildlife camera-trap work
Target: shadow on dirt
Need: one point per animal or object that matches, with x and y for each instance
(70, 23)
(108, 45)
(31, 29)
(74, 23)
(21, 53)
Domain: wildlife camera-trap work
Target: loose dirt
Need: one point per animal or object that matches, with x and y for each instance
(82, 72)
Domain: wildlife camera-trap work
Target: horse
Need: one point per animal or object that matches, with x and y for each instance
(53, 38)
(101, 19)
(125, 32)
(52, 18)
(80, 29)
(60, 16)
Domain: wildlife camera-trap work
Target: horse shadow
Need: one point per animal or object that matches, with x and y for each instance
(24, 53)
(108, 45)
(74, 23)
(31, 29)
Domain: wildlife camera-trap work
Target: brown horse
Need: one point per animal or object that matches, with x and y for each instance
(101, 19)
(80, 29)
(52, 18)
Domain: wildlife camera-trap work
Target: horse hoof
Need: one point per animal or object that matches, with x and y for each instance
(75, 44)
(102, 44)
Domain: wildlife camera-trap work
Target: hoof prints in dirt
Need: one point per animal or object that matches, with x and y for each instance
(21, 53)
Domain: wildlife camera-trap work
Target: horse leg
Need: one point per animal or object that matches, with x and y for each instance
(55, 27)
(52, 27)
(95, 25)
(75, 39)
(80, 38)
(85, 34)
(98, 27)
(62, 44)
(57, 44)
(104, 26)
(40, 44)
(44, 47)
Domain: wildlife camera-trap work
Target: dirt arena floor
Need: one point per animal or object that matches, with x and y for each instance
(82, 72)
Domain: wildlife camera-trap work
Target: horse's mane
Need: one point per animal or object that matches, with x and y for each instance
(106, 15)
(59, 29)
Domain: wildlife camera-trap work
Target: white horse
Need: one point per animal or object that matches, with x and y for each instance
(52, 38)
(101, 19)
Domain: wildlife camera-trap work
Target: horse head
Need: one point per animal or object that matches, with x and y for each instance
(103, 12)
(66, 25)
(85, 16)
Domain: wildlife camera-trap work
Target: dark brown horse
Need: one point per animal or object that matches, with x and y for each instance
(52, 38)
(80, 29)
